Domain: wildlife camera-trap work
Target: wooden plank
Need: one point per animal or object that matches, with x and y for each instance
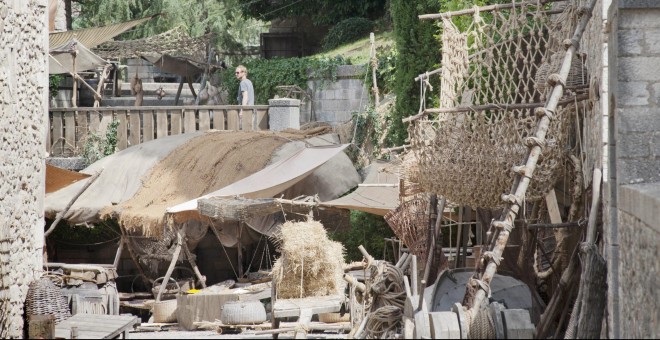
(122, 129)
(161, 124)
(106, 119)
(69, 132)
(248, 120)
(176, 121)
(135, 129)
(218, 119)
(95, 326)
(82, 130)
(189, 121)
(292, 307)
(164, 107)
(204, 120)
(147, 125)
(553, 207)
(58, 134)
(94, 121)
(262, 119)
(232, 120)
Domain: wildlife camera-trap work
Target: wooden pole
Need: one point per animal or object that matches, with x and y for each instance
(374, 66)
(178, 91)
(74, 97)
(115, 263)
(240, 250)
(491, 106)
(484, 9)
(170, 269)
(61, 214)
(193, 264)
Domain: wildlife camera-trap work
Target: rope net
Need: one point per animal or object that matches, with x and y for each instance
(174, 42)
(504, 58)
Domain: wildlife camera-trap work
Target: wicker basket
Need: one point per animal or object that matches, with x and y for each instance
(44, 298)
(165, 311)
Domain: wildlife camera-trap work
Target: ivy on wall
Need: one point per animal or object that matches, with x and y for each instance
(267, 74)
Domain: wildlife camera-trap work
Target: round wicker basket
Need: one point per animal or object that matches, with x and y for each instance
(165, 311)
(44, 298)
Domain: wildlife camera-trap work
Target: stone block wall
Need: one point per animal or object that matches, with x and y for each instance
(23, 112)
(632, 233)
(335, 102)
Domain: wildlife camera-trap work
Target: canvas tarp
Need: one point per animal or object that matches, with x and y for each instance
(273, 179)
(58, 178)
(94, 36)
(61, 58)
(129, 174)
(378, 194)
(121, 177)
(176, 65)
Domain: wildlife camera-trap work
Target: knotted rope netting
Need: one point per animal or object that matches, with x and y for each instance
(494, 74)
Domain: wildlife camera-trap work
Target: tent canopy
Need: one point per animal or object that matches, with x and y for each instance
(61, 59)
(176, 65)
(94, 36)
(139, 183)
(378, 194)
(273, 179)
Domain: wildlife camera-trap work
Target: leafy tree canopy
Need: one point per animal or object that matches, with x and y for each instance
(322, 12)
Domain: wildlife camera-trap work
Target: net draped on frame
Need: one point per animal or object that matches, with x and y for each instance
(505, 57)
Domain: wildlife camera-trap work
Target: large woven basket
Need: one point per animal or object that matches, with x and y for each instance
(44, 298)
(165, 311)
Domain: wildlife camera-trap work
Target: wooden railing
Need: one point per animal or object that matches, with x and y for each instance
(69, 127)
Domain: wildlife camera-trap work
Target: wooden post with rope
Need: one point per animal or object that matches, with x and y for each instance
(374, 66)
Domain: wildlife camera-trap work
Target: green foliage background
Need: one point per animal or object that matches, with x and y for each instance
(347, 31)
(418, 51)
(322, 12)
(267, 74)
(366, 229)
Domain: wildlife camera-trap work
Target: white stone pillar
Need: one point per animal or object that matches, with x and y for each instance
(283, 113)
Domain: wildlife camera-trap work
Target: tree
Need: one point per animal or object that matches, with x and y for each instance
(322, 12)
(418, 52)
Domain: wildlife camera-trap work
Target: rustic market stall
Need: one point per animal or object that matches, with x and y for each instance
(138, 184)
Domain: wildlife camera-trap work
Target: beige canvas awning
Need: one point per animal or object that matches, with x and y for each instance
(377, 195)
(94, 36)
(61, 58)
(274, 178)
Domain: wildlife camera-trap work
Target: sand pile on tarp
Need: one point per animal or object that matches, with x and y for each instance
(311, 264)
(201, 165)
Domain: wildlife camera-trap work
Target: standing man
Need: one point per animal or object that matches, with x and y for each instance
(245, 91)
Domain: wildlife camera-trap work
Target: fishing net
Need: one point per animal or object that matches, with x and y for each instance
(498, 70)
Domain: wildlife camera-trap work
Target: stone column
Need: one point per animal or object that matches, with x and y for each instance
(283, 113)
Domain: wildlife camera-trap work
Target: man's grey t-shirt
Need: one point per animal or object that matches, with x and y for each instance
(246, 85)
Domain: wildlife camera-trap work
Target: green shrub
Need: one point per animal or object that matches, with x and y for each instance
(347, 31)
(96, 147)
(368, 230)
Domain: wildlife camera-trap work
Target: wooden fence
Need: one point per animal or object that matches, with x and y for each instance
(70, 127)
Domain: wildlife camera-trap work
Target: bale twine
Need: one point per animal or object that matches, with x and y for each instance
(44, 298)
(311, 264)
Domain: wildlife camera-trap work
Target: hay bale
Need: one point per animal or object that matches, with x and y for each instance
(311, 264)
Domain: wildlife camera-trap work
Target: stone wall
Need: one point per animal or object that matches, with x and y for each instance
(335, 102)
(632, 233)
(23, 109)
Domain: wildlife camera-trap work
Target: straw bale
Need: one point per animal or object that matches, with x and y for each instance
(310, 263)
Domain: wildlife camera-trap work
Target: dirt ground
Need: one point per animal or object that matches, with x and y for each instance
(204, 334)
